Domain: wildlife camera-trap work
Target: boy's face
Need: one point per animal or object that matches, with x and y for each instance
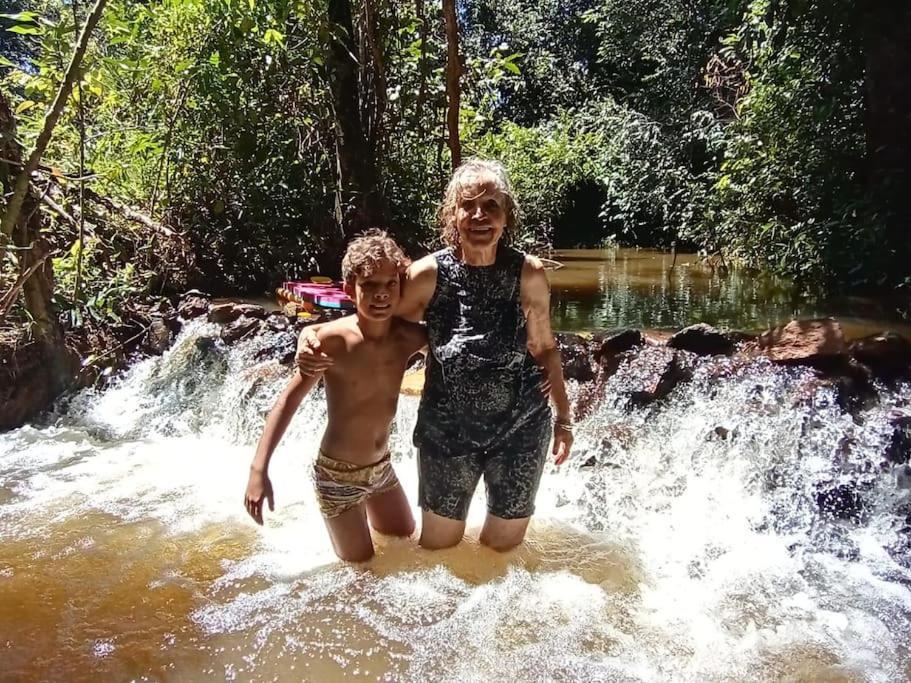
(376, 295)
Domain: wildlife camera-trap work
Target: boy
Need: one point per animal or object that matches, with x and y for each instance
(353, 476)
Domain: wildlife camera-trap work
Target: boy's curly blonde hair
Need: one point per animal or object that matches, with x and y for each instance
(466, 175)
(367, 251)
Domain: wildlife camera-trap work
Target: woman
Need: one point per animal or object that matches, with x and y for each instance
(487, 309)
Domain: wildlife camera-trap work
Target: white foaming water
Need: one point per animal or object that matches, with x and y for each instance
(692, 546)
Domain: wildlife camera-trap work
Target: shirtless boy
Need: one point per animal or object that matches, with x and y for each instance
(353, 476)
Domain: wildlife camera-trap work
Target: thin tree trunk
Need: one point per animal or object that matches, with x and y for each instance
(453, 72)
(422, 67)
(14, 207)
(81, 105)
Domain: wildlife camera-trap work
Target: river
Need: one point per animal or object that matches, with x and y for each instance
(647, 288)
(680, 555)
(682, 542)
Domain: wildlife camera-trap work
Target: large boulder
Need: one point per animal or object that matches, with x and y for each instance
(817, 343)
(887, 354)
(650, 374)
(577, 362)
(193, 304)
(703, 340)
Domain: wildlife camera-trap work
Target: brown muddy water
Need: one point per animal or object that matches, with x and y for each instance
(126, 553)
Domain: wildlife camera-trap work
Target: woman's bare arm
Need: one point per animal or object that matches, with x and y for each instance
(419, 284)
(535, 295)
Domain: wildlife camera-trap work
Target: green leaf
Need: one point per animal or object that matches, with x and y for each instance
(25, 30)
(22, 16)
(5, 62)
(215, 59)
(24, 106)
(273, 36)
(512, 68)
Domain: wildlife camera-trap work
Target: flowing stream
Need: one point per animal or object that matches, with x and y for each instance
(682, 542)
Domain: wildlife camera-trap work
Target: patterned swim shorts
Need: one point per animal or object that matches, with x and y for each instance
(341, 486)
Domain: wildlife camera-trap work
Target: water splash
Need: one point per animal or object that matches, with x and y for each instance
(744, 529)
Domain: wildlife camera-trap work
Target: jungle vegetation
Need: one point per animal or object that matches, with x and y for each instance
(228, 144)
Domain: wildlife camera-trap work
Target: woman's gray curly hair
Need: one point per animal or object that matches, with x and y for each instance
(466, 175)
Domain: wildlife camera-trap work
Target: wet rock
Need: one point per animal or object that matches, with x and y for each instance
(887, 354)
(613, 342)
(282, 348)
(841, 501)
(205, 343)
(577, 362)
(239, 329)
(278, 322)
(193, 304)
(804, 342)
(703, 340)
(251, 310)
(899, 449)
(852, 382)
(649, 375)
(719, 434)
(902, 475)
(223, 313)
(157, 338)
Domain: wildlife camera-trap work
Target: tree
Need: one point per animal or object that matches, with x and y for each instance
(453, 74)
(361, 203)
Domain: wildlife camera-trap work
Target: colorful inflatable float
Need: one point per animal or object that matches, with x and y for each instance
(318, 292)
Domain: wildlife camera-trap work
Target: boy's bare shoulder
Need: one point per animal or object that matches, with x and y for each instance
(335, 336)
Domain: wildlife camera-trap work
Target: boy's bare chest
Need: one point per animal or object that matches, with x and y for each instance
(372, 367)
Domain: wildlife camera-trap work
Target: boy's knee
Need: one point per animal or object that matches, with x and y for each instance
(438, 543)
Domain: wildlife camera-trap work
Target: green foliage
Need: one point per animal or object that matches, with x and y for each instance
(789, 194)
(735, 125)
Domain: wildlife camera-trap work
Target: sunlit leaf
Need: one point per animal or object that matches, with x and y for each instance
(24, 106)
(22, 16)
(26, 30)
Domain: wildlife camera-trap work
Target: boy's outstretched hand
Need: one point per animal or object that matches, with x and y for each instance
(310, 359)
(259, 488)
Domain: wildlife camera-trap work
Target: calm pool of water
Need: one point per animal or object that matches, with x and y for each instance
(638, 288)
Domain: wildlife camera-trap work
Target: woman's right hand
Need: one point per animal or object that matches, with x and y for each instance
(310, 359)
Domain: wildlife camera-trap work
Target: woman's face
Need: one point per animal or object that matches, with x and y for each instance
(480, 214)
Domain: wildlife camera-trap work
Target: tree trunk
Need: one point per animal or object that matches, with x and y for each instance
(887, 47)
(453, 72)
(362, 202)
(14, 207)
(36, 273)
